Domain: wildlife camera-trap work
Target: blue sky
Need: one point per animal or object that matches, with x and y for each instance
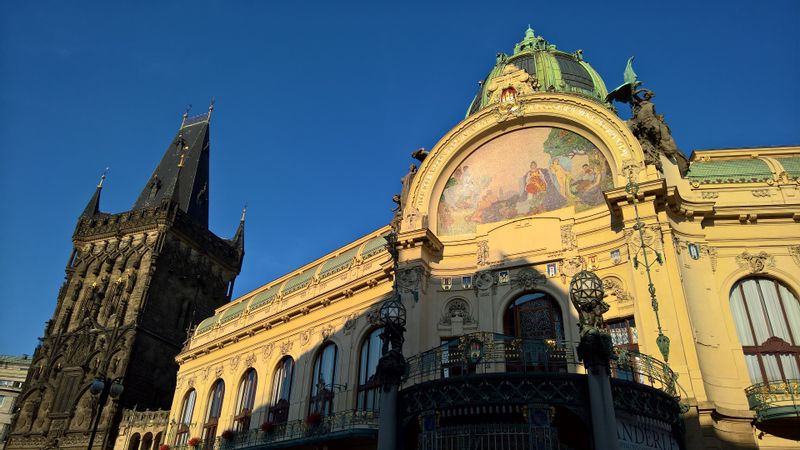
(318, 106)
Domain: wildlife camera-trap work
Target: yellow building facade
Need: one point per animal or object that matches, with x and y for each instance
(541, 180)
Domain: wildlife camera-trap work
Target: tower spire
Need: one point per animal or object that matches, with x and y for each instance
(210, 109)
(238, 237)
(93, 207)
(182, 174)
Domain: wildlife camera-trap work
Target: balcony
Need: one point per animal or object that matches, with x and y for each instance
(775, 401)
(351, 426)
(492, 353)
(501, 391)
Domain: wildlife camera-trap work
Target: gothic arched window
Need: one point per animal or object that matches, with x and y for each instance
(534, 316)
(281, 391)
(245, 399)
(185, 419)
(368, 387)
(214, 410)
(767, 316)
(322, 381)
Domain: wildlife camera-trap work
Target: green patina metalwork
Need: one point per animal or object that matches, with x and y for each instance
(233, 312)
(338, 263)
(546, 64)
(299, 281)
(729, 171)
(373, 247)
(264, 297)
(206, 324)
(791, 166)
(774, 400)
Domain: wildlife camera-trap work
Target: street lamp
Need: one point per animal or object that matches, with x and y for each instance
(104, 387)
(393, 312)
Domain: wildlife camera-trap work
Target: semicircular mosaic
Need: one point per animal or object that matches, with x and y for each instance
(522, 173)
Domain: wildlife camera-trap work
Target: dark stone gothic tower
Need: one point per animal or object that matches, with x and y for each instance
(135, 282)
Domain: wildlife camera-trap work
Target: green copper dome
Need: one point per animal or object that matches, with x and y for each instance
(550, 70)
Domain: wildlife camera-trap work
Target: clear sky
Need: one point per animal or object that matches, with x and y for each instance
(318, 106)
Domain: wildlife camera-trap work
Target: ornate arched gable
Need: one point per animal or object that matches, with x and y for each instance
(544, 152)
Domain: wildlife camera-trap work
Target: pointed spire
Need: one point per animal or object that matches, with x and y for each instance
(238, 238)
(186, 114)
(93, 207)
(210, 109)
(182, 174)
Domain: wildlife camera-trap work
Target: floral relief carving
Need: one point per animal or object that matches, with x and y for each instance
(711, 252)
(568, 241)
(613, 286)
(204, 373)
(250, 360)
(483, 280)
(755, 263)
(571, 266)
(761, 192)
(326, 332)
(528, 278)
(350, 323)
(794, 252)
(218, 371)
(482, 253)
(286, 346)
(234, 363)
(374, 316)
(709, 194)
(456, 308)
(267, 351)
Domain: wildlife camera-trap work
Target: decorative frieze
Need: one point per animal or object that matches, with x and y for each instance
(794, 252)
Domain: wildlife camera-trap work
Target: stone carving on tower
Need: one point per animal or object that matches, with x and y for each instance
(135, 283)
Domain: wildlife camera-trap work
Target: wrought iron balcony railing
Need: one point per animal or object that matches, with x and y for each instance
(773, 400)
(490, 353)
(299, 430)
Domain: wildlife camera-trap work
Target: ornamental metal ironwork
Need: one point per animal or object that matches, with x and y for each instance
(779, 399)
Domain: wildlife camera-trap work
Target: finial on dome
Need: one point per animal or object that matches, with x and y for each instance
(529, 32)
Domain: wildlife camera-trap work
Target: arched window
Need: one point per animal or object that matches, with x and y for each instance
(534, 316)
(245, 399)
(281, 391)
(767, 316)
(215, 398)
(147, 441)
(368, 387)
(322, 386)
(134, 443)
(185, 419)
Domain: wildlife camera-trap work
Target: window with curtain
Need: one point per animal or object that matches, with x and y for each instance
(281, 392)
(624, 336)
(185, 419)
(368, 395)
(623, 333)
(322, 387)
(767, 317)
(215, 398)
(245, 399)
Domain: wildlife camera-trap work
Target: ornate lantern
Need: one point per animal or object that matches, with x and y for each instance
(393, 312)
(586, 288)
